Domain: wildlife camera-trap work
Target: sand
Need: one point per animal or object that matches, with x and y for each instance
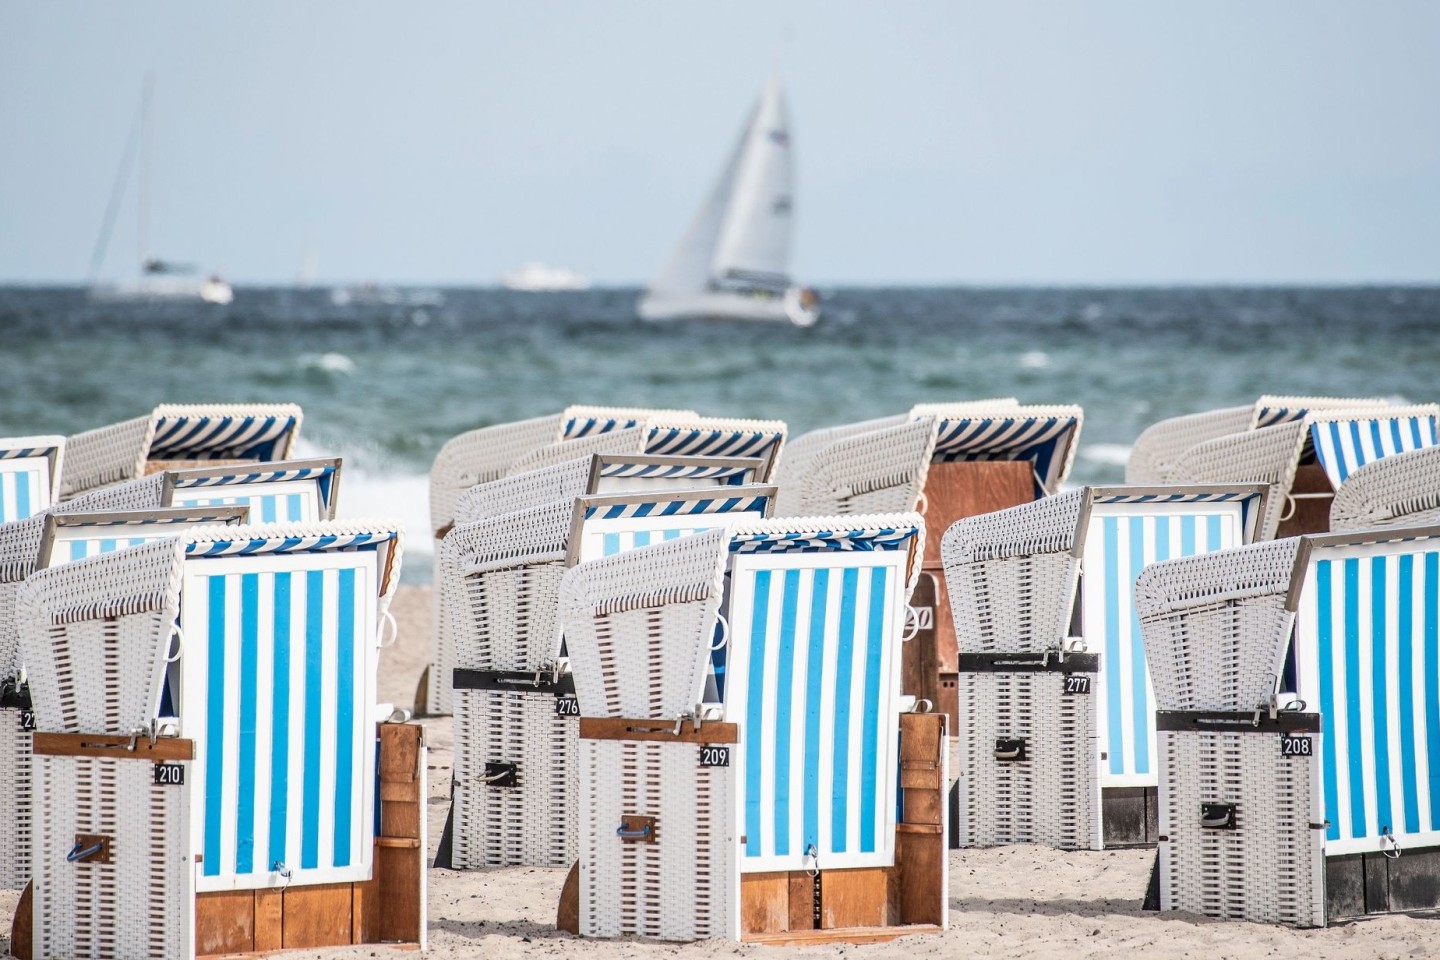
(1007, 902)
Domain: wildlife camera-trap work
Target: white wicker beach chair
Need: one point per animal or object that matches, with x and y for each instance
(174, 435)
(691, 791)
(1241, 817)
(29, 475)
(1403, 489)
(874, 471)
(1055, 701)
(270, 767)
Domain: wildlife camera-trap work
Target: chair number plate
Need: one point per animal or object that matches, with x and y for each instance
(170, 774)
(1294, 746)
(567, 707)
(714, 756)
(27, 719)
(1077, 683)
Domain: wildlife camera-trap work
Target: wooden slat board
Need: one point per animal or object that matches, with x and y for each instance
(954, 491)
(1312, 514)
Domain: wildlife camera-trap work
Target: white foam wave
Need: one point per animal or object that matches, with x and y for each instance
(1114, 454)
(1034, 360)
(329, 362)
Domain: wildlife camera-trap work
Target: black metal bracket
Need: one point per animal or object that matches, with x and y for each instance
(1215, 721)
(1049, 661)
(515, 681)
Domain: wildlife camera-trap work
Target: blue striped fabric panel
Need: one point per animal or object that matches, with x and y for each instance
(1368, 652)
(674, 441)
(578, 427)
(24, 487)
(93, 546)
(278, 677)
(605, 537)
(295, 501)
(813, 678)
(211, 437)
(1343, 446)
(1037, 439)
(1122, 539)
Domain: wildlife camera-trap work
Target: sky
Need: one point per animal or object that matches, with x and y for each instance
(936, 141)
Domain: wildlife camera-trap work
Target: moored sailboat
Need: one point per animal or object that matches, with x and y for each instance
(733, 261)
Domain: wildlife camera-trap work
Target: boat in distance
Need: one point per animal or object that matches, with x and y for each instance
(733, 261)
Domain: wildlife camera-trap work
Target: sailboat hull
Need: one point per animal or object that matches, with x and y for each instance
(724, 305)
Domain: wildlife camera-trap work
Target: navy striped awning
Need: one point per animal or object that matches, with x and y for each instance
(717, 442)
(296, 544)
(1043, 439)
(210, 437)
(1343, 446)
(670, 505)
(819, 541)
(577, 427)
(726, 475)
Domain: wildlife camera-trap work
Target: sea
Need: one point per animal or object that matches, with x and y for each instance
(387, 375)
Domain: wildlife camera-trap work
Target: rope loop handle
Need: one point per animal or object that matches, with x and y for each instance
(644, 831)
(177, 643)
(394, 630)
(724, 633)
(1387, 837)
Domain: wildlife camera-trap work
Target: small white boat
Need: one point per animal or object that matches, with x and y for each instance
(540, 278)
(733, 262)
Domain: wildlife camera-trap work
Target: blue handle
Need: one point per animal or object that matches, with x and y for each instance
(76, 853)
(620, 831)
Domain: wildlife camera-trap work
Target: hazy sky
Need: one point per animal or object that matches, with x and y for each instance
(945, 141)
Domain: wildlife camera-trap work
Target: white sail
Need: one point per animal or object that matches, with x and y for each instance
(754, 244)
(688, 268)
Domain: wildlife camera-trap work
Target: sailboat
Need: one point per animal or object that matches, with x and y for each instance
(733, 261)
(159, 279)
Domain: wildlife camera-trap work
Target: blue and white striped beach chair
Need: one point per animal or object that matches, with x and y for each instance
(514, 794)
(276, 629)
(75, 536)
(29, 475)
(288, 491)
(737, 792)
(177, 435)
(1056, 706)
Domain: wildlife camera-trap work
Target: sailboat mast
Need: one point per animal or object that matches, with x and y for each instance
(142, 231)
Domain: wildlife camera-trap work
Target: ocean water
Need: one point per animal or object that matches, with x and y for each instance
(385, 385)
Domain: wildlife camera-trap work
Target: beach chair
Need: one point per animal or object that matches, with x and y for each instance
(796, 802)
(289, 491)
(1399, 490)
(269, 811)
(1056, 709)
(178, 435)
(29, 475)
(514, 794)
(1305, 461)
(871, 471)
(488, 453)
(1160, 444)
(1241, 808)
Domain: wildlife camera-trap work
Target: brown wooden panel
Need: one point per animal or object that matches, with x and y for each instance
(269, 919)
(919, 662)
(400, 820)
(400, 792)
(854, 898)
(22, 926)
(396, 913)
(919, 868)
(925, 807)
(112, 748)
(957, 490)
(764, 902)
(802, 901)
(225, 922)
(947, 651)
(318, 916)
(400, 751)
(604, 728)
(567, 913)
(1312, 514)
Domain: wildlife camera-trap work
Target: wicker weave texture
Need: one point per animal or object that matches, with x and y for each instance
(1401, 490)
(1160, 444)
(801, 451)
(639, 626)
(1270, 868)
(1270, 409)
(627, 440)
(141, 904)
(685, 885)
(1216, 627)
(15, 794)
(1052, 797)
(566, 480)
(880, 471)
(1012, 575)
(482, 455)
(1269, 455)
(534, 822)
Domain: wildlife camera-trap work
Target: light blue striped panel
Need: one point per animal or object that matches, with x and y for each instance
(1041, 440)
(1121, 541)
(82, 547)
(1343, 446)
(24, 487)
(1368, 656)
(220, 438)
(677, 441)
(299, 507)
(670, 507)
(812, 666)
(278, 679)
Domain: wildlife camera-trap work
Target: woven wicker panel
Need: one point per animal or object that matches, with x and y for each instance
(639, 627)
(627, 440)
(1270, 868)
(479, 456)
(15, 795)
(141, 904)
(1400, 490)
(534, 822)
(1269, 455)
(880, 471)
(1159, 444)
(1053, 796)
(1270, 410)
(684, 886)
(802, 450)
(520, 491)
(1216, 627)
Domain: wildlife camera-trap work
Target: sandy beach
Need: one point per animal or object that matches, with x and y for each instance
(1008, 902)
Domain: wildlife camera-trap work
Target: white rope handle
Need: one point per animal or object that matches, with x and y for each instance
(394, 625)
(922, 502)
(724, 633)
(177, 643)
